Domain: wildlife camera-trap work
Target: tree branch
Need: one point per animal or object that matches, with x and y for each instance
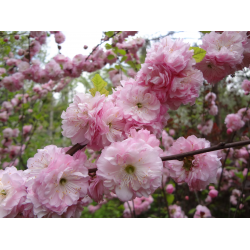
(180, 157)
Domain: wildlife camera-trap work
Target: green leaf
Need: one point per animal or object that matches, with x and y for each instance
(199, 53)
(124, 58)
(110, 57)
(122, 52)
(233, 209)
(229, 168)
(109, 33)
(117, 67)
(248, 198)
(240, 175)
(191, 211)
(170, 198)
(99, 84)
(205, 32)
(108, 46)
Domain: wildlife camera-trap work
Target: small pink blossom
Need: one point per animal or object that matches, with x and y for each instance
(170, 189)
(246, 86)
(59, 37)
(202, 212)
(234, 122)
(176, 212)
(7, 133)
(197, 171)
(213, 193)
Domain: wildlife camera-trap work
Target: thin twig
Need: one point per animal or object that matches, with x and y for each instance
(101, 44)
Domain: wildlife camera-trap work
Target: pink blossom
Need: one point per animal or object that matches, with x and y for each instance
(140, 204)
(167, 141)
(235, 196)
(213, 110)
(176, 212)
(27, 129)
(223, 53)
(131, 73)
(7, 133)
(246, 86)
(206, 128)
(34, 34)
(202, 212)
(210, 97)
(213, 193)
(41, 161)
(59, 37)
(234, 122)
(208, 199)
(241, 206)
(110, 124)
(2, 71)
(186, 198)
(171, 132)
(60, 185)
(170, 189)
(145, 136)
(130, 169)
(96, 189)
(244, 115)
(197, 171)
(138, 103)
(12, 192)
(79, 120)
(4, 116)
(7, 106)
(53, 70)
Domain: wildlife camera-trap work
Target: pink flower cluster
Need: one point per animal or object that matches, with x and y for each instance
(197, 171)
(225, 53)
(140, 205)
(169, 72)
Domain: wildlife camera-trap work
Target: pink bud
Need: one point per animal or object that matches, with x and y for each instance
(213, 193)
(20, 52)
(85, 46)
(229, 131)
(16, 37)
(241, 206)
(6, 39)
(170, 188)
(211, 187)
(186, 198)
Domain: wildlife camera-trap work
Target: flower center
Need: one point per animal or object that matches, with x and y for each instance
(3, 192)
(110, 125)
(63, 181)
(130, 169)
(188, 162)
(209, 66)
(139, 105)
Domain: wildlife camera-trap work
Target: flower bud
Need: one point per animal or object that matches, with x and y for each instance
(213, 193)
(170, 188)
